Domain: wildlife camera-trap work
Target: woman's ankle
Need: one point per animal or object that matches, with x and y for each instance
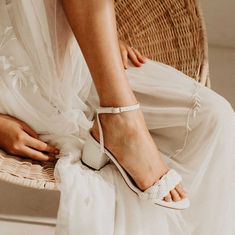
(126, 122)
(117, 102)
(124, 97)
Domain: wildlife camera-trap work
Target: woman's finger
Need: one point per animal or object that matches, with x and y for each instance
(40, 145)
(133, 57)
(29, 130)
(140, 57)
(34, 154)
(124, 55)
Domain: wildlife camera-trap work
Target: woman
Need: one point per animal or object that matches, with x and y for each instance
(45, 82)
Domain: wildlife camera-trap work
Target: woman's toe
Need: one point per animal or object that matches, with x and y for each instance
(175, 195)
(168, 198)
(180, 190)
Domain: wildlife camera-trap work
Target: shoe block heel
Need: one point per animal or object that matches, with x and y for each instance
(92, 155)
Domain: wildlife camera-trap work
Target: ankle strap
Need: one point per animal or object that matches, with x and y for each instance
(111, 110)
(117, 109)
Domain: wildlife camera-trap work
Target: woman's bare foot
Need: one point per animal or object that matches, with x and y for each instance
(129, 140)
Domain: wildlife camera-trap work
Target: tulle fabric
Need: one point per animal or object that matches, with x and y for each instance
(45, 82)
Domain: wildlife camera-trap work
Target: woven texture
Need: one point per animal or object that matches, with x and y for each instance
(163, 187)
(169, 31)
(27, 172)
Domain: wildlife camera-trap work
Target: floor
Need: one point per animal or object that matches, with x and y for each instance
(16, 228)
(25, 211)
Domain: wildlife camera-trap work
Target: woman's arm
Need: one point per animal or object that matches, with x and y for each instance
(17, 138)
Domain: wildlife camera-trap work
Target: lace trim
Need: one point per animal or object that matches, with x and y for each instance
(17, 74)
(191, 113)
(6, 36)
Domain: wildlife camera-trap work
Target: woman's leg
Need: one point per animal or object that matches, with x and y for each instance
(94, 26)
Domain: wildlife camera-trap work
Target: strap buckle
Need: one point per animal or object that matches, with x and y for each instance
(116, 110)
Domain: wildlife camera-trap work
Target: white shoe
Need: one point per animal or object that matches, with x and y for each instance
(96, 156)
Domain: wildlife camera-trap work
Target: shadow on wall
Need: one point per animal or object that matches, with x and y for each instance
(222, 72)
(220, 21)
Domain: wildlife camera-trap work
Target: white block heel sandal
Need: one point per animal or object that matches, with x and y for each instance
(95, 155)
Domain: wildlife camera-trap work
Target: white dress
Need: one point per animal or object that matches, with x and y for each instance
(45, 82)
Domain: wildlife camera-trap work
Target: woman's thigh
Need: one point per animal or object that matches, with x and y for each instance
(175, 105)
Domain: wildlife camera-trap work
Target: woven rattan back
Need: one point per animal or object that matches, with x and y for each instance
(169, 31)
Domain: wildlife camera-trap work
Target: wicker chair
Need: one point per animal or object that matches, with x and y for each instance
(169, 31)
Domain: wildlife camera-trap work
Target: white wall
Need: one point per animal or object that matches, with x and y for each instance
(222, 71)
(220, 21)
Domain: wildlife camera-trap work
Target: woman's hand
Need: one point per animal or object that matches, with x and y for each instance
(133, 54)
(17, 138)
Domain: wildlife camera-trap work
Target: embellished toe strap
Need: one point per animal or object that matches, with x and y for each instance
(161, 188)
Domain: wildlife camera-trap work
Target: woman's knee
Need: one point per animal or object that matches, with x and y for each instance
(215, 107)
